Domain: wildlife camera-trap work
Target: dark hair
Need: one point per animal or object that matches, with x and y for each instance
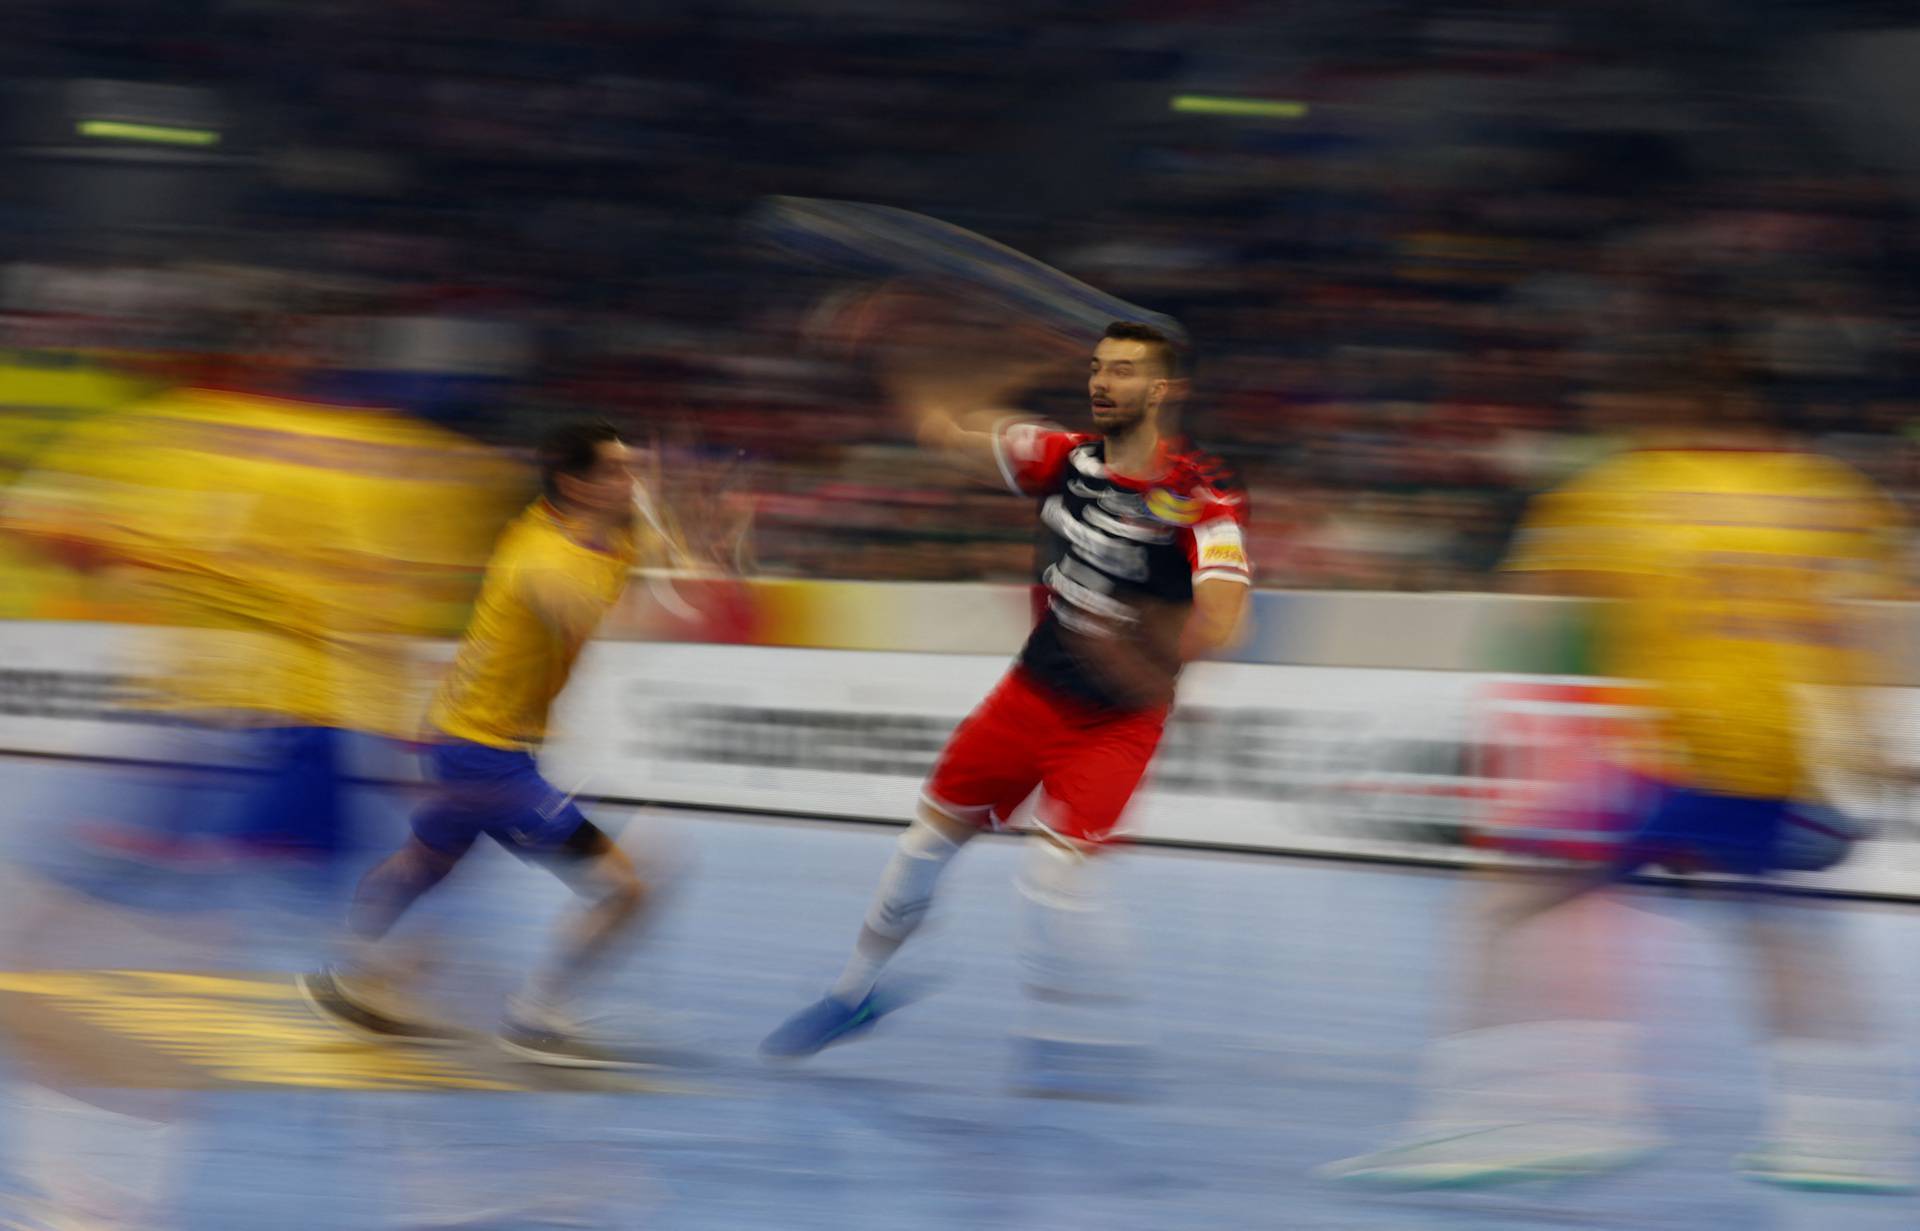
(1175, 359)
(572, 448)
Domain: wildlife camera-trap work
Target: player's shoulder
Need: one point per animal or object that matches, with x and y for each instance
(1824, 475)
(1198, 474)
(1625, 467)
(1088, 445)
(1033, 452)
(1851, 500)
(1802, 476)
(1196, 485)
(1618, 484)
(530, 536)
(1032, 434)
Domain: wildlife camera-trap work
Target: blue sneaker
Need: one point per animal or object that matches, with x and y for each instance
(823, 1023)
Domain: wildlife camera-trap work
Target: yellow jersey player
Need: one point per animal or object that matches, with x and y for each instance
(554, 573)
(1729, 562)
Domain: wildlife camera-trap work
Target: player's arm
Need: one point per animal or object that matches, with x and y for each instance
(969, 446)
(82, 526)
(1016, 453)
(1142, 665)
(1214, 624)
(948, 392)
(1222, 577)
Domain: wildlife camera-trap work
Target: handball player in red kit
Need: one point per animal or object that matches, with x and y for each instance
(1143, 568)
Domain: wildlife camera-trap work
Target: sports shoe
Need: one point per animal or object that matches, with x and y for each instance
(558, 1047)
(1827, 1167)
(1497, 1154)
(334, 1005)
(825, 1022)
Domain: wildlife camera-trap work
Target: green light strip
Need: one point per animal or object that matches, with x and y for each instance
(159, 134)
(1265, 108)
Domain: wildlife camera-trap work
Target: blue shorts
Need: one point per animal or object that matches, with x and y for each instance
(492, 791)
(1688, 830)
(152, 840)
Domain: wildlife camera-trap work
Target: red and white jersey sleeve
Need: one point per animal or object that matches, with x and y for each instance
(1217, 540)
(1032, 455)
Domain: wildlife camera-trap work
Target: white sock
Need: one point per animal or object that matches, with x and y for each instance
(900, 902)
(1074, 950)
(1532, 1073)
(1477, 1079)
(1598, 1072)
(1836, 1094)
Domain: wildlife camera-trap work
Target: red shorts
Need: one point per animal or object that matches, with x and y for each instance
(1086, 760)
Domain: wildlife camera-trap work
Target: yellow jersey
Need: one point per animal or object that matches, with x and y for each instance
(545, 592)
(294, 550)
(1729, 569)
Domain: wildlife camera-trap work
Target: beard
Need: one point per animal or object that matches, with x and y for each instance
(1118, 422)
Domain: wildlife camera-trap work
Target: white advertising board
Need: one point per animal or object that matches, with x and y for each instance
(1328, 760)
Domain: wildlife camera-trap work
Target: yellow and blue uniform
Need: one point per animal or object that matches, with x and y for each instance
(287, 554)
(545, 592)
(1729, 571)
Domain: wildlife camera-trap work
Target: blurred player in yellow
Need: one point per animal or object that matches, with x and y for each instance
(1731, 564)
(281, 553)
(555, 572)
(285, 555)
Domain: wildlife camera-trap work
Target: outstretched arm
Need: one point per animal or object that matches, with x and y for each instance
(949, 384)
(971, 447)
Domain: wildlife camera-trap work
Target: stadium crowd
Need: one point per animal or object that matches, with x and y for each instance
(1418, 299)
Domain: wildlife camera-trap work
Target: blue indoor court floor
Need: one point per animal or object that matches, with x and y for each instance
(1287, 1002)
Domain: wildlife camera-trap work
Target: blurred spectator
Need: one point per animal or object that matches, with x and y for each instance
(1413, 301)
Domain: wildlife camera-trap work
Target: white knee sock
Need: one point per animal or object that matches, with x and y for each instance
(1834, 1094)
(899, 904)
(1074, 950)
(1533, 1073)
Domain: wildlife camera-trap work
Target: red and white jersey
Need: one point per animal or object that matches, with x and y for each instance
(1110, 543)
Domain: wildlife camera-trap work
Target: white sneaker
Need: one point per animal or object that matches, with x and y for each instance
(1829, 1166)
(1497, 1154)
(371, 1012)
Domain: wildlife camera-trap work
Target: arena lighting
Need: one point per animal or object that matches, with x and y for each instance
(156, 134)
(1263, 108)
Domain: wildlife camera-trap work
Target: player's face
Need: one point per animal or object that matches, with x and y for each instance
(607, 488)
(1124, 384)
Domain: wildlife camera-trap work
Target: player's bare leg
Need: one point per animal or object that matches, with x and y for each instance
(543, 1019)
(391, 888)
(900, 904)
(365, 992)
(1503, 968)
